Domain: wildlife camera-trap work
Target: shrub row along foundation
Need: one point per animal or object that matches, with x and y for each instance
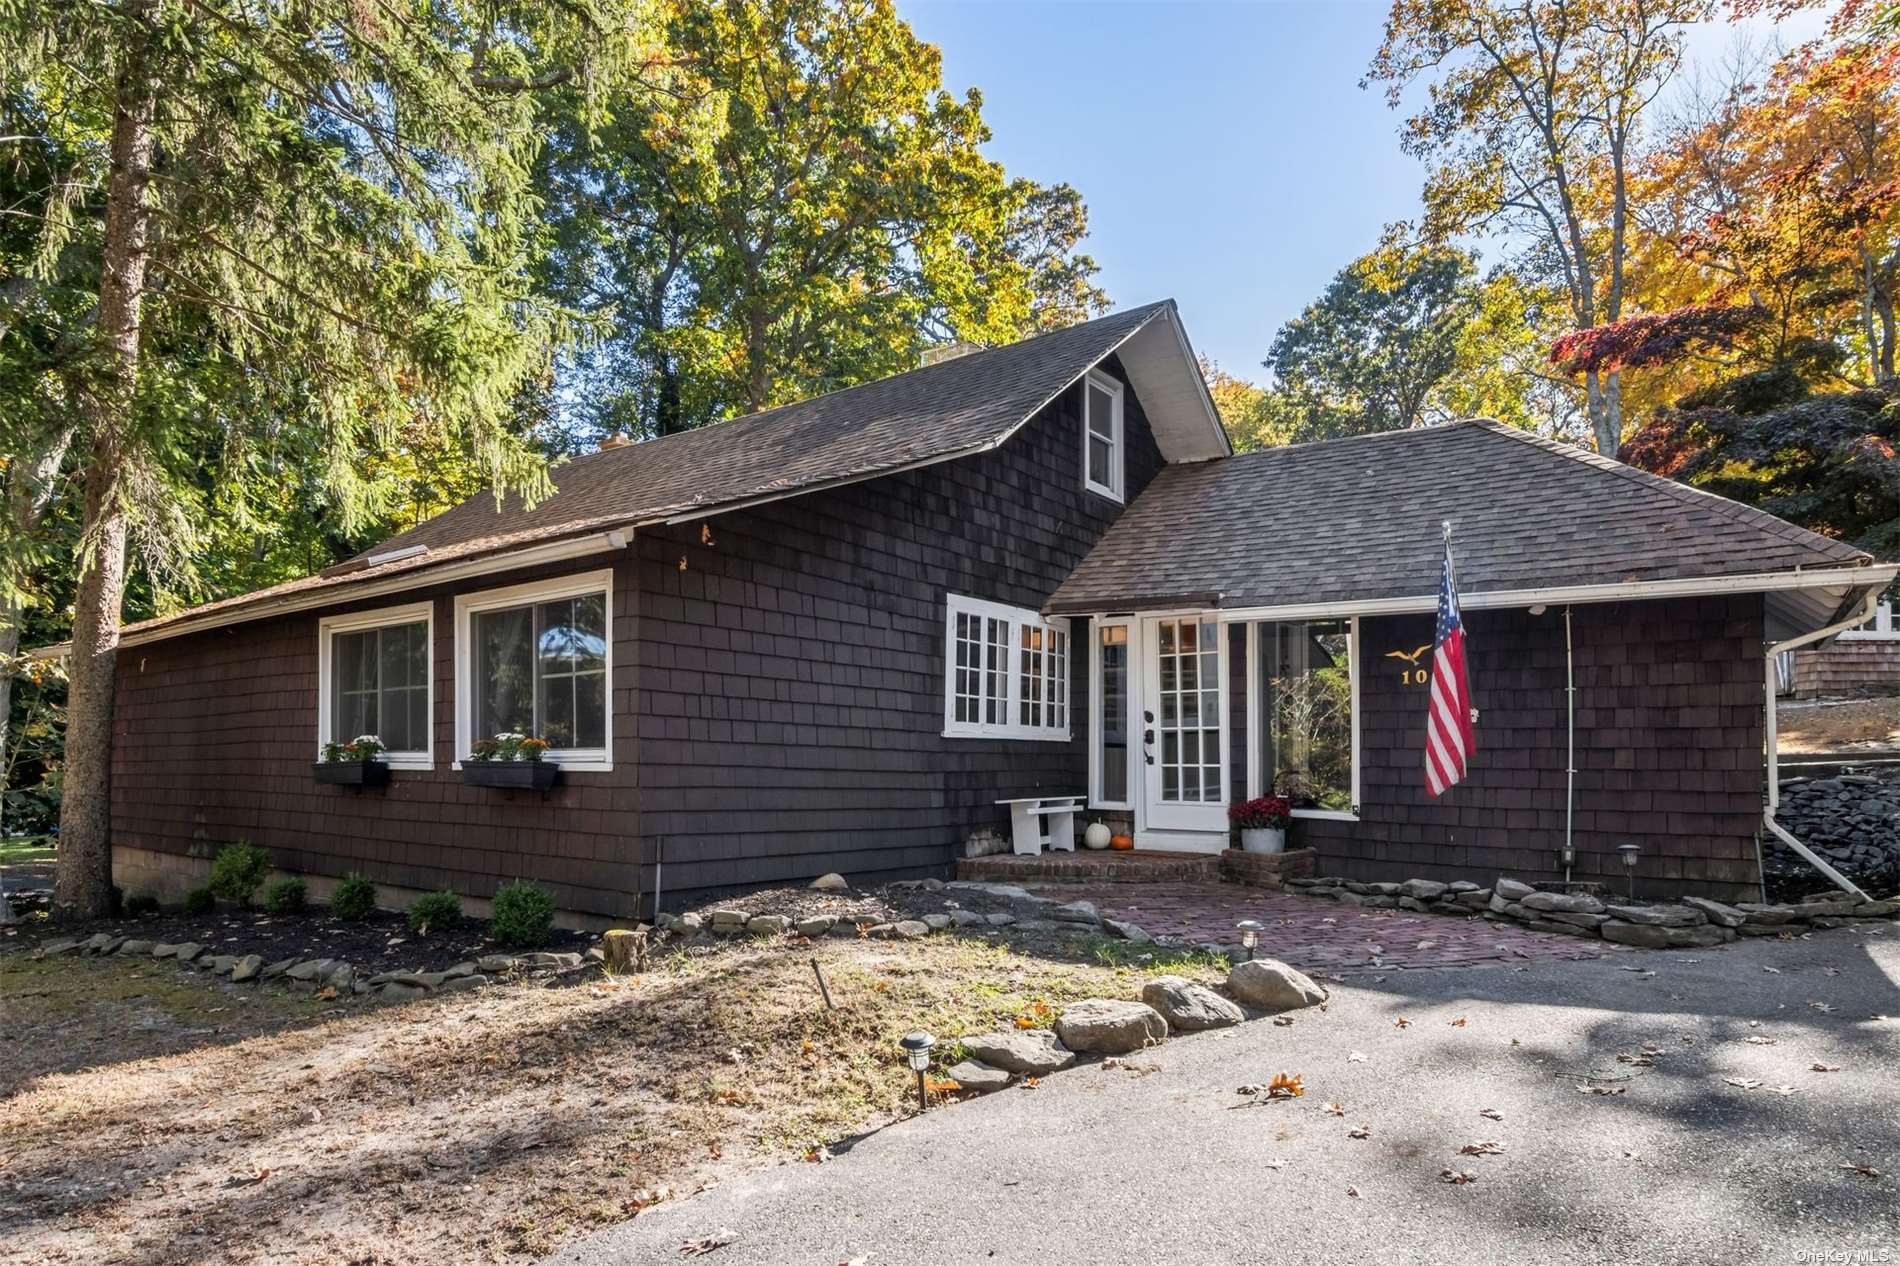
(1693, 922)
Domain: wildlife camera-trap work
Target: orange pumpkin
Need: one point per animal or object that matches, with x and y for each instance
(1122, 842)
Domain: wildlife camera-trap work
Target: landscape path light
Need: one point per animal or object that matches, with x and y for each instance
(916, 1047)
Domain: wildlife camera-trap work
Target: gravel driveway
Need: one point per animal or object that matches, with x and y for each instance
(1127, 1165)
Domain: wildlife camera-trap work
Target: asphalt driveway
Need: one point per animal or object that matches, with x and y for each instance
(1160, 1160)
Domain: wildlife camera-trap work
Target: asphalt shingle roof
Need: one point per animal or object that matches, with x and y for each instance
(938, 411)
(1359, 518)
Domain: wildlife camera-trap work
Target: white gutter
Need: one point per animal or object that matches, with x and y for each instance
(1878, 574)
(1863, 613)
(343, 591)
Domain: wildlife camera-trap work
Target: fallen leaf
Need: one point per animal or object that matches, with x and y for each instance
(1285, 1086)
(1024, 1022)
(251, 1179)
(1756, 1039)
(1030, 1083)
(1830, 971)
(1491, 1114)
(1483, 1147)
(1401, 1023)
(1784, 1090)
(1744, 1083)
(1251, 1088)
(1459, 1023)
(1456, 1177)
(818, 1155)
(1337, 1109)
(1353, 1192)
(701, 1245)
(1601, 1090)
(1275, 1162)
(1818, 1067)
(1283, 1021)
(1772, 971)
(1426, 945)
(1822, 1007)
(1865, 1171)
(1355, 1057)
(1359, 1132)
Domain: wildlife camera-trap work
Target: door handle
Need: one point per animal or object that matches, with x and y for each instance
(1148, 743)
(1147, 738)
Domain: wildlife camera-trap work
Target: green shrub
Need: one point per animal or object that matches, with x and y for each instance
(237, 871)
(140, 905)
(354, 898)
(286, 896)
(524, 914)
(200, 901)
(434, 910)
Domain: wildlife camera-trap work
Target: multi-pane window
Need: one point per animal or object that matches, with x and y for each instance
(533, 660)
(1102, 435)
(374, 670)
(1006, 672)
(1187, 657)
(1112, 725)
(541, 669)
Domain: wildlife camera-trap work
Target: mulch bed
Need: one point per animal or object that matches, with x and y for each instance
(382, 942)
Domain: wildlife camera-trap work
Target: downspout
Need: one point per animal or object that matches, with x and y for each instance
(1570, 753)
(1863, 613)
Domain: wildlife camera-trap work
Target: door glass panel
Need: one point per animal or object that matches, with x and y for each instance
(1188, 688)
(1114, 719)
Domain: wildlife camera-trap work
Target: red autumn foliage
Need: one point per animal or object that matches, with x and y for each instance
(1655, 338)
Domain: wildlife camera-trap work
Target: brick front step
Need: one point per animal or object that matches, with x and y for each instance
(1265, 870)
(1133, 867)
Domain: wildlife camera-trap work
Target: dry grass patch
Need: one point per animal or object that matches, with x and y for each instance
(483, 1126)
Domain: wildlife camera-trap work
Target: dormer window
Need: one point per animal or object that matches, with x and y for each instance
(1102, 435)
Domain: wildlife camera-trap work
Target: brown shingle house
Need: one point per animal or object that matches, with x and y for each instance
(833, 635)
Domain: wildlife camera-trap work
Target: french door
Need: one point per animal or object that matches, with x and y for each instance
(1183, 730)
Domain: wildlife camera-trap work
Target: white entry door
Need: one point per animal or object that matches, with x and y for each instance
(1183, 728)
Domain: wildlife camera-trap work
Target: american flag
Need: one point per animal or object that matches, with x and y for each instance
(1448, 738)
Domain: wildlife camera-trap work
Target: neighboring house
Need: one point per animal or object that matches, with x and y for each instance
(831, 636)
(1862, 661)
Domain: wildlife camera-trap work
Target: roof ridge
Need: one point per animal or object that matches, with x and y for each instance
(1727, 507)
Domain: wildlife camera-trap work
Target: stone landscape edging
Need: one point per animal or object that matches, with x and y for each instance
(313, 975)
(1691, 923)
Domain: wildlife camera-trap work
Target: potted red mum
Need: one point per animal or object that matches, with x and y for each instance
(1262, 823)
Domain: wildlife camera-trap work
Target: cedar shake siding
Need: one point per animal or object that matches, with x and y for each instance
(791, 703)
(1670, 700)
(214, 733)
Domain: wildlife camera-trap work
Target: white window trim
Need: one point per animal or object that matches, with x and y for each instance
(467, 606)
(1878, 629)
(1255, 729)
(1113, 491)
(1096, 799)
(956, 604)
(360, 622)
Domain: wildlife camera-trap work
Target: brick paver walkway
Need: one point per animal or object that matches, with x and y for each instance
(1318, 935)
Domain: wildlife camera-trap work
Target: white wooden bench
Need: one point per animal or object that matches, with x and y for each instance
(1036, 822)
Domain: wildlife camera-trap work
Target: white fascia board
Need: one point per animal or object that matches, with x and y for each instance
(1702, 586)
(421, 577)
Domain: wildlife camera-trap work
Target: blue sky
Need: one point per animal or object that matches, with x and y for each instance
(1226, 151)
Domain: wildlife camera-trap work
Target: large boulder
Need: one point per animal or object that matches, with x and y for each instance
(1188, 1007)
(1511, 890)
(1422, 889)
(1031, 1051)
(1271, 985)
(1110, 1026)
(1652, 936)
(833, 882)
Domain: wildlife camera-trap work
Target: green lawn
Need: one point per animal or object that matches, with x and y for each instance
(28, 850)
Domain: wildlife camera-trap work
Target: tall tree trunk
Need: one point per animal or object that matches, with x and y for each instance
(1883, 309)
(1603, 404)
(83, 884)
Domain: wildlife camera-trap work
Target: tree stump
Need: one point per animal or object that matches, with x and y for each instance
(625, 949)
